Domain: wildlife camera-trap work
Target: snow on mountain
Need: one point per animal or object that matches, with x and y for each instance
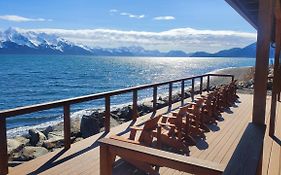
(17, 41)
(31, 42)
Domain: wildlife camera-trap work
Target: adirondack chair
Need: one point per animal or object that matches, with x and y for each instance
(177, 129)
(196, 118)
(208, 108)
(149, 132)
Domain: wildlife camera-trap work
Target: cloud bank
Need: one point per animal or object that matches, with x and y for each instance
(15, 18)
(186, 39)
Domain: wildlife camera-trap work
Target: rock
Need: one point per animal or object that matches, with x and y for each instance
(55, 140)
(89, 126)
(78, 139)
(14, 146)
(22, 140)
(31, 152)
(36, 137)
(47, 130)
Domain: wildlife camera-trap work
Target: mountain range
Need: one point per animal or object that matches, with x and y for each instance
(13, 41)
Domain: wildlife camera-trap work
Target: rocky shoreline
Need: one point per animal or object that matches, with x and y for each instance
(40, 142)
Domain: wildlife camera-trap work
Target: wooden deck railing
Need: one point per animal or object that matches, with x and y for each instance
(65, 104)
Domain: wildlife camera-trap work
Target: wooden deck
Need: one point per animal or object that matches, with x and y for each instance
(220, 143)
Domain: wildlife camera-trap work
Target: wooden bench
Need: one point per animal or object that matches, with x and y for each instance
(110, 148)
(246, 157)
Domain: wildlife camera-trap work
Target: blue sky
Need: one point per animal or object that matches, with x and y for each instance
(153, 16)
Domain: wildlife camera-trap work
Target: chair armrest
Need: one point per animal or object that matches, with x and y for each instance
(167, 124)
(136, 128)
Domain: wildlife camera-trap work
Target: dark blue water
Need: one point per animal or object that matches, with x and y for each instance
(30, 79)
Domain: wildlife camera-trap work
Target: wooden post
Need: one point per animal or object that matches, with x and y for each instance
(276, 77)
(232, 78)
(66, 119)
(208, 83)
(154, 98)
(135, 105)
(182, 92)
(107, 114)
(3, 147)
(192, 89)
(262, 55)
(201, 84)
(106, 160)
(170, 94)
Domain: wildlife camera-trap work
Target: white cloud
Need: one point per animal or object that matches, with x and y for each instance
(132, 15)
(186, 39)
(164, 18)
(15, 18)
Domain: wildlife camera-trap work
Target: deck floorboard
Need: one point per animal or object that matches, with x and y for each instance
(83, 157)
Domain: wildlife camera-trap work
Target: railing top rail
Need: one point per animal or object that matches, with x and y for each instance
(69, 101)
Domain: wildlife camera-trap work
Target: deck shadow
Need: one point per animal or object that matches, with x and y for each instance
(201, 144)
(277, 140)
(52, 162)
(214, 127)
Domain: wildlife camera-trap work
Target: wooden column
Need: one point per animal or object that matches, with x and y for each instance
(107, 114)
(154, 98)
(182, 92)
(276, 77)
(3, 147)
(170, 93)
(262, 55)
(135, 105)
(66, 119)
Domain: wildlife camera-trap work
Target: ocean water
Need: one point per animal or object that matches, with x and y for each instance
(32, 79)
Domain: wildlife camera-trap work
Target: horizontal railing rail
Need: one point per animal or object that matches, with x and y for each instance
(4, 114)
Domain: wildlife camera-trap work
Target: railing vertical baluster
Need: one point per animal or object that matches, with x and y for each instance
(107, 114)
(3, 147)
(170, 93)
(208, 83)
(135, 105)
(66, 120)
(192, 89)
(154, 98)
(201, 84)
(182, 92)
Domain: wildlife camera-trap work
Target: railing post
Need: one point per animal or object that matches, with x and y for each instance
(135, 105)
(232, 78)
(170, 93)
(208, 83)
(66, 120)
(182, 92)
(3, 147)
(107, 114)
(201, 84)
(192, 89)
(154, 98)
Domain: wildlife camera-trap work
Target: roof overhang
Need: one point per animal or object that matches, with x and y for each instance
(248, 9)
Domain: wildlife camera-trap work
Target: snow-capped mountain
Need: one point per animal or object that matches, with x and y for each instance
(13, 41)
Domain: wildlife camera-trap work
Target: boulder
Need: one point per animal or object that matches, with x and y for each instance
(47, 130)
(14, 146)
(31, 152)
(36, 137)
(89, 126)
(55, 140)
